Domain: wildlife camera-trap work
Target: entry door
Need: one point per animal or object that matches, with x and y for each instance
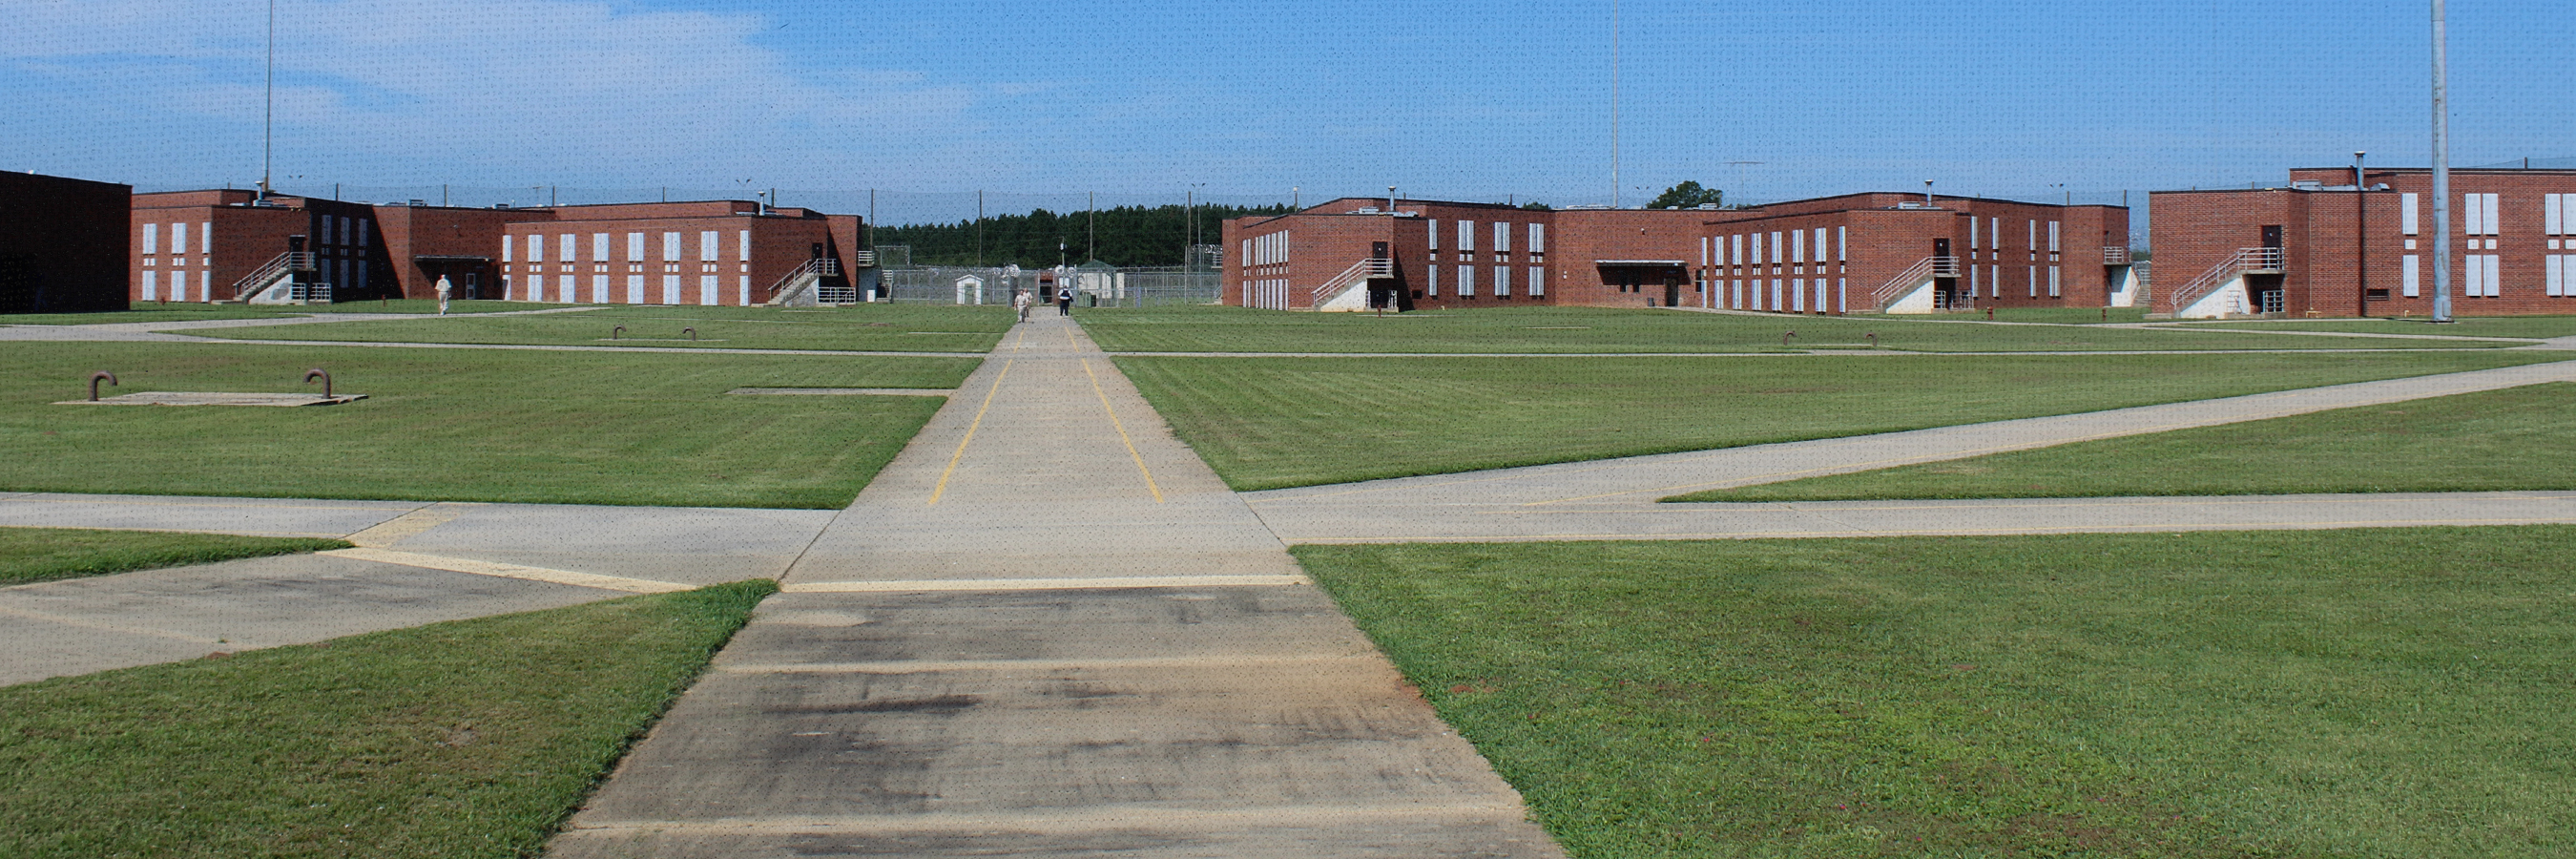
(1672, 291)
(1377, 250)
(2272, 235)
(1940, 247)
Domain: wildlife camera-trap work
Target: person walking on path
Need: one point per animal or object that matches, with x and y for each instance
(1064, 302)
(1020, 302)
(444, 290)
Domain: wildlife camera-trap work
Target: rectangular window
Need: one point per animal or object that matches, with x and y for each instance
(1842, 244)
(2052, 283)
(2557, 274)
(1994, 281)
(362, 238)
(671, 282)
(635, 251)
(2052, 237)
(2033, 272)
(1798, 246)
(536, 248)
(151, 284)
(2470, 221)
(2413, 276)
(1798, 293)
(1973, 280)
(151, 239)
(178, 238)
(1735, 256)
(599, 286)
(1433, 288)
(2406, 208)
(710, 247)
(1972, 236)
(1434, 233)
(536, 287)
(1502, 237)
(1775, 253)
(1466, 281)
(742, 245)
(707, 284)
(507, 243)
(635, 284)
(2549, 219)
(1502, 281)
(2495, 272)
(1537, 240)
(1703, 252)
(2032, 244)
(206, 238)
(567, 248)
(1466, 239)
(2495, 221)
(1537, 281)
(1756, 257)
(599, 249)
(1820, 252)
(671, 253)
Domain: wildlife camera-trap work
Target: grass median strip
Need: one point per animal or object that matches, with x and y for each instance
(465, 425)
(29, 555)
(1193, 328)
(2315, 693)
(466, 739)
(2490, 441)
(1267, 423)
(866, 328)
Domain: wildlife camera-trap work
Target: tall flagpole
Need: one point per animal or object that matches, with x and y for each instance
(2441, 173)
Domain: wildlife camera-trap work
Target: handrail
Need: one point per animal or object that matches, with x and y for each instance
(863, 259)
(2245, 260)
(817, 268)
(1921, 270)
(2115, 255)
(1359, 272)
(290, 261)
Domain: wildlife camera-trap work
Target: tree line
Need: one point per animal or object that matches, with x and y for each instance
(1127, 236)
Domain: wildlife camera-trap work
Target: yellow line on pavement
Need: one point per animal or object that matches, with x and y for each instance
(510, 571)
(394, 530)
(942, 488)
(1093, 584)
(1122, 431)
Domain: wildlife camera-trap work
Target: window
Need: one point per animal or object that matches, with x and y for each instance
(599, 249)
(635, 253)
(710, 249)
(1502, 238)
(743, 247)
(1502, 281)
(178, 238)
(1537, 241)
(671, 253)
(1537, 281)
(1466, 281)
(506, 244)
(1434, 234)
(206, 238)
(567, 248)
(1798, 246)
(1466, 239)
(2413, 275)
(2406, 208)
(151, 244)
(536, 248)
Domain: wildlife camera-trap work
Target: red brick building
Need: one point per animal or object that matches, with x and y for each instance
(2324, 245)
(231, 246)
(62, 244)
(1857, 253)
(216, 245)
(720, 252)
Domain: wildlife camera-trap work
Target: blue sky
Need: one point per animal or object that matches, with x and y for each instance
(1038, 103)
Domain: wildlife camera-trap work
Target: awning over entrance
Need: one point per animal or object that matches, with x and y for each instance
(1641, 263)
(451, 258)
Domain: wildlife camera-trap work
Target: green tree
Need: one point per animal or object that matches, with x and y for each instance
(1686, 195)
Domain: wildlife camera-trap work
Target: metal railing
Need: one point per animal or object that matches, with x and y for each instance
(1359, 273)
(2115, 256)
(283, 265)
(1925, 269)
(2245, 260)
(813, 270)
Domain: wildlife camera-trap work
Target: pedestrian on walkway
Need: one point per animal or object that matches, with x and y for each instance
(1064, 302)
(1020, 302)
(444, 290)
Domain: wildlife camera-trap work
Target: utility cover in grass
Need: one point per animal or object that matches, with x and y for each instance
(215, 398)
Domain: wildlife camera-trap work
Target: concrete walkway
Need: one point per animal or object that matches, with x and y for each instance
(1047, 629)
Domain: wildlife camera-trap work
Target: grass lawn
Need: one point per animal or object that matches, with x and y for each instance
(866, 328)
(1560, 330)
(2368, 693)
(463, 424)
(466, 739)
(2050, 315)
(1265, 423)
(30, 555)
(150, 312)
(2537, 327)
(2513, 439)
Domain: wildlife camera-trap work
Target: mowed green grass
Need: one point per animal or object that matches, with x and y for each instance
(2535, 327)
(866, 328)
(2493, 441)
(1266, 423)
(473, 738)
(1579, 330)
(463, 424)
(2371, 693)
(144, 311)
(30, 555)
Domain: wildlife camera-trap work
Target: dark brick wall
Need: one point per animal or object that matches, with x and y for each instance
(62, 244)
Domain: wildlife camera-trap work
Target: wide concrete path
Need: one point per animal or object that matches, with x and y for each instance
(1617, 498)
(1047, 629)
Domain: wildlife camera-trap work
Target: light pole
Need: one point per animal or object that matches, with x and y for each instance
(1927, 193)
(2441, 173)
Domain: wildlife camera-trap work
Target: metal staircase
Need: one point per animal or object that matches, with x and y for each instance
(1334, 294)
(283, 267)
(1915, 277)
(803, 287)
(2246, 261)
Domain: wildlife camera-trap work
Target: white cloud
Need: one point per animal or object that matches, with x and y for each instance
(560, 90)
